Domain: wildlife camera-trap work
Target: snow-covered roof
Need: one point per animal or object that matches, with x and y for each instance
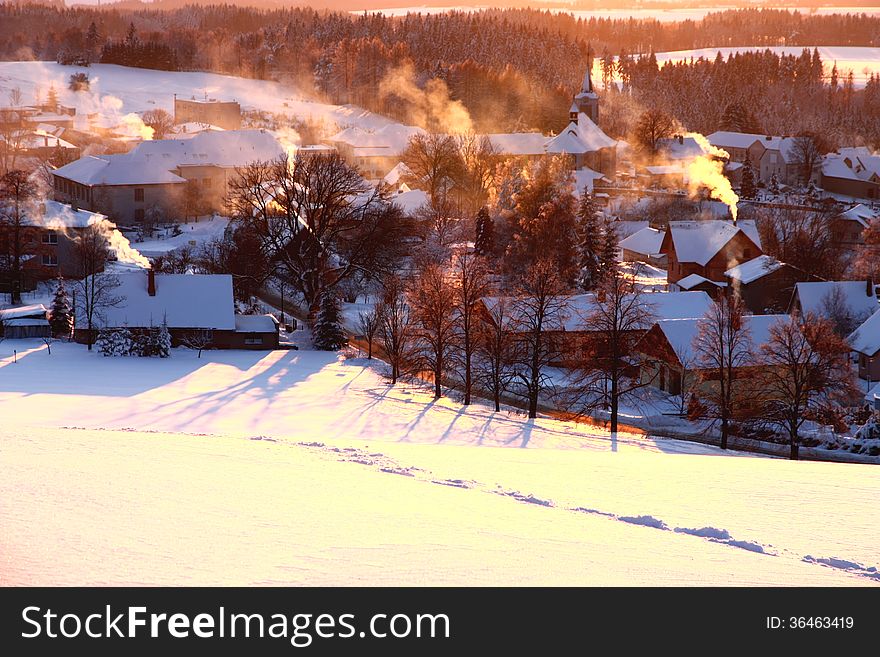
(391, 139)
(692, 280)
(519, 143)
(153, 162)
(813, 296)
(680, 334)
(727, 139)
(687, 148)
(399, 171)
(27, 321)
(699, 241)
(754, 269)
(20, 312)
(579, 138)
(197, 301)
(646, 241)
(59, 216)
(860, 213)
(585, 177)
(661, 305)
(852, 164)
(411, 200)
(866, 338)
(42, 139)
(255, 324)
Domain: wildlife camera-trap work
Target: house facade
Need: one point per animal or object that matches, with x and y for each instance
(865, 343)
(154, 174)
(765, 284)
(707, 248)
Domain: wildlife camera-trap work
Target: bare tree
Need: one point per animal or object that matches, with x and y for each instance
(723, 344)
(619, 316)
(806, 152)
(802, 238)
(17, 196)
(539, 307)
(395, 327)
(806, 369)
(470, 285)
(318, 221)
(495, 342)
(197, 340)
(653, 126)
(12, 134)
(479, 160)
(160, 121)
(836, 309)
(95, 290)
(368, 325)
(434, 162)
(432, 299)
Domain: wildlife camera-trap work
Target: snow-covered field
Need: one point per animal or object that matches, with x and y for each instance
(192, 234)
(118, 90)
(302, 467)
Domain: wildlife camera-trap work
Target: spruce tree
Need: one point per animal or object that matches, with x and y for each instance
(328, 332)
(608, 255)
(163, 340)
(485, 240)
(61, 316)
(589, 241)
(747, 188)
(52, 97)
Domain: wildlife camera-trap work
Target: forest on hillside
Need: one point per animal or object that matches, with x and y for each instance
(511, 69)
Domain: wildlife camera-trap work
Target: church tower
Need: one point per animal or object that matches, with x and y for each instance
(586, 102)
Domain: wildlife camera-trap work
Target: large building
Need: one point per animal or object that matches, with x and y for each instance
(153, 175)
(223, 114)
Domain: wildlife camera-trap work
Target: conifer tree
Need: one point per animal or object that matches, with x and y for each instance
(747, 188)
(163, 340)
(608, 255)
(328, 332)
(61, 316)
(589, 241)
(485, 240)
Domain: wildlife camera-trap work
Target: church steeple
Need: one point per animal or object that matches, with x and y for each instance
(586, 102)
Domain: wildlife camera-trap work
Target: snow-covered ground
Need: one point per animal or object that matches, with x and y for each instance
(192, 234)
(300, 467)
(116, 91)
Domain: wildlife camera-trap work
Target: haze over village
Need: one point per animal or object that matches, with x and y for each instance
(578, 294)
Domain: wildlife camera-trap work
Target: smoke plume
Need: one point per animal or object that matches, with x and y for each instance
(707, 172)
(431, 107)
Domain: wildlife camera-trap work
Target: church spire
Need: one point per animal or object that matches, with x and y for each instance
(587, 85)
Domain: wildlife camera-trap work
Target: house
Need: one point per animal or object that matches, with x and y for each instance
(25, 322)
(644, 246)
(154, 173)
(586, 145)
(198, 309)
(679, 148)
(574, 339)
(223, 114)
(770, 156)
(865, 341)
(697, 283)
(376, 152)
(708, 248)
(845, 302)
(47, 240)
(765, 284)
(847, 227)
(853, 172)
(669, 361)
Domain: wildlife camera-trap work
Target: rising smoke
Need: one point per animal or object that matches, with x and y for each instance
(431, 107)
(707, 172)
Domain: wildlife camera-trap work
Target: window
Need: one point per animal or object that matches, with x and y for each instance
(139, 214)
(50, 260)
(50, 237)
(252, 340)
(139, 194)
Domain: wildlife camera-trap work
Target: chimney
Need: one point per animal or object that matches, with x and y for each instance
(151, 282)
(681, 139)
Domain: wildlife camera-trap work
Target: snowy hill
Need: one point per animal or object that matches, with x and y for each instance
(118, 90)
(303, 468)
